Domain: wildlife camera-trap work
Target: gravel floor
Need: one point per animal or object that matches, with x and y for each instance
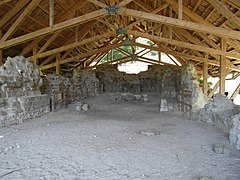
(115, 141)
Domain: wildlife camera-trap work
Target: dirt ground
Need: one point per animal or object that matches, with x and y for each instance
(125, 140)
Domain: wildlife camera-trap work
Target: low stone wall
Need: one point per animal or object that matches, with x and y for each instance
(224, 114)
(20, 97)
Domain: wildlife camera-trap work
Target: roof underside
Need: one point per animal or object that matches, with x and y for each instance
(84, 31)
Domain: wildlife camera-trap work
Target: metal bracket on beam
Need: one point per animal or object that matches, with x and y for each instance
(112, 10)
(121, 31)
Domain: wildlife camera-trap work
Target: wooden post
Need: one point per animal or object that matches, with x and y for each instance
(58, 66)
(180, 11)
(159, 56)
(51, 12)
(205, 75)
(222, 68)
(1, 52)
(35, 50)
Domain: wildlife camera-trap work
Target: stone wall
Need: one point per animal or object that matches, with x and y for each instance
(20, 97)
(64, 90)
(224, 114)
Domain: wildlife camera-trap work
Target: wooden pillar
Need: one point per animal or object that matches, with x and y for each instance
(1, 52)
(35, 50)
(159, 56)
(58, 66)
(180, 12)
(222, 68)
(51, 12)
(205, 75)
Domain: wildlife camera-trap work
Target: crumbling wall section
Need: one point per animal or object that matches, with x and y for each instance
(224, 114)
(20, 97)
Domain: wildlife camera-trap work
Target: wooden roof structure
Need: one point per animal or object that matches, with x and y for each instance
(60, 35)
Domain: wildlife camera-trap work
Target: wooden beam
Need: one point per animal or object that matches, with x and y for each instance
(222, 9)
(4, 1)
(205, 76)
(217, 84)
(49, 41)
(51, 12)
(180, 9)
(185, 56)
(185, 45)
(98, 3)
(11, 13)
(60, 26)
(181, 23)
(73, 45)
(236, 92)
(104, 49)
(20, 19)
(35, 49)
(222, 68)
(124, 3)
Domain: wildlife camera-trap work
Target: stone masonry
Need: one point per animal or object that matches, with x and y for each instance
(20, 97)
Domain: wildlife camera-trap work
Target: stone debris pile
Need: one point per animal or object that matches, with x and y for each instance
(20, 96)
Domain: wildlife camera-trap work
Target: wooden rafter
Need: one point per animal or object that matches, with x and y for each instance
(54, 28)
(181, 23)
(19, 20)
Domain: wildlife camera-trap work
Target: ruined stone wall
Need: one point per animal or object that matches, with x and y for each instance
(64, 90)
(20, 97)
(157, 79)
(224, 114)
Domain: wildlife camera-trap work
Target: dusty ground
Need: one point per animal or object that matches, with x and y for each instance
(115, 141)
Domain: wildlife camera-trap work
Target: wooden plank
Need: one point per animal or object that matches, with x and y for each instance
(185, 45)
(20, 19)
(107, 48)
(181, 23)
(73, 45)
(51, 12)
(222, 9)
(12, 12)
(48, 30)
(222, 68)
